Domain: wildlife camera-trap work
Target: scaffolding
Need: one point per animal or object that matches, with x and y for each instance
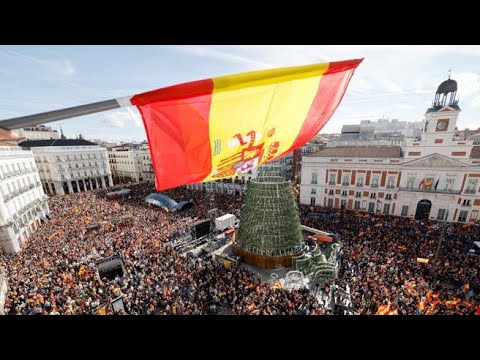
(270, 220)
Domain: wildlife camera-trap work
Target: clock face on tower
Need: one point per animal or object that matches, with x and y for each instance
(442, 125)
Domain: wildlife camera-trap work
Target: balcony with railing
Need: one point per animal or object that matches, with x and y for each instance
(345, 184)
(470, 191)
(374, 186)
(390, 187)
(437, 191)
(359, 184)
(332, 183)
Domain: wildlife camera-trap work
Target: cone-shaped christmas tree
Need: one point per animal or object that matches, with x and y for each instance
(270, 220)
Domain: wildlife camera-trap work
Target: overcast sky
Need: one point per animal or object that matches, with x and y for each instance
(396, 82)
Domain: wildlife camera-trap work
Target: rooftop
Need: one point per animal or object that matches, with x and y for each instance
(360, 152)
(56, 142)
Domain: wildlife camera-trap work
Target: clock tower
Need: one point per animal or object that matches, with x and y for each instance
(441, 119)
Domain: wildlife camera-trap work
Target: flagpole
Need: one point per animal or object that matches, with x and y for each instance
(66, 113)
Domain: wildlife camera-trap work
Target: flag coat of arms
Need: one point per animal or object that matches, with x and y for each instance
(218, 128)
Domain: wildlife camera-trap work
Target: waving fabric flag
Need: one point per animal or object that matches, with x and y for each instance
(221, 127)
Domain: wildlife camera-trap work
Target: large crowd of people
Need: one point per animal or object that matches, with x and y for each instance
(384, 261)
(57, 271)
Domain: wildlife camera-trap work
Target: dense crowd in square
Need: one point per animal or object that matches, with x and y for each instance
(56, 273)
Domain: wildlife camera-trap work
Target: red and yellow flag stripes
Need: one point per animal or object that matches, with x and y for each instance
(218, 128)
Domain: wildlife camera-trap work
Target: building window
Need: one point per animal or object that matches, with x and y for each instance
(462, 217)
(386, 209)
(474, 215)
(388, 197)
(441, 214)
(330, 192)
(466, 202)
(346, 180)
(360, 182)
(358, 194)
(449, 184)
(371, 207)
(391, 182)
(312, 201)
(375, 179)
(343, 204)
(471, 186)
(357, 205)
(333, 179)
(314, 178)
(410, 182)
(330, 203)
(313, 191)
(373, 195)
(404, 210)
(344, 193)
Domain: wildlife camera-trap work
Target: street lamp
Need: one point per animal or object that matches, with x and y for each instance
(440, 241)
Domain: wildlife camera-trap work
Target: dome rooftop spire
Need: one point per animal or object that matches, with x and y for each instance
(447, 86)
(445, 95)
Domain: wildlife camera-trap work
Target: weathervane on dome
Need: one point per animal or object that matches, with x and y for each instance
(449, 73)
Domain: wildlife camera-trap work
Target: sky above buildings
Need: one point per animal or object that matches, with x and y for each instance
(396, 82)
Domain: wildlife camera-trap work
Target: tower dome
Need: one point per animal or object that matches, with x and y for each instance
(447, 86)
(445, 96)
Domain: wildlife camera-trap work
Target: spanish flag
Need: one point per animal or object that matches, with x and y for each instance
(218, 128)
(383, 309)
(101, 310)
